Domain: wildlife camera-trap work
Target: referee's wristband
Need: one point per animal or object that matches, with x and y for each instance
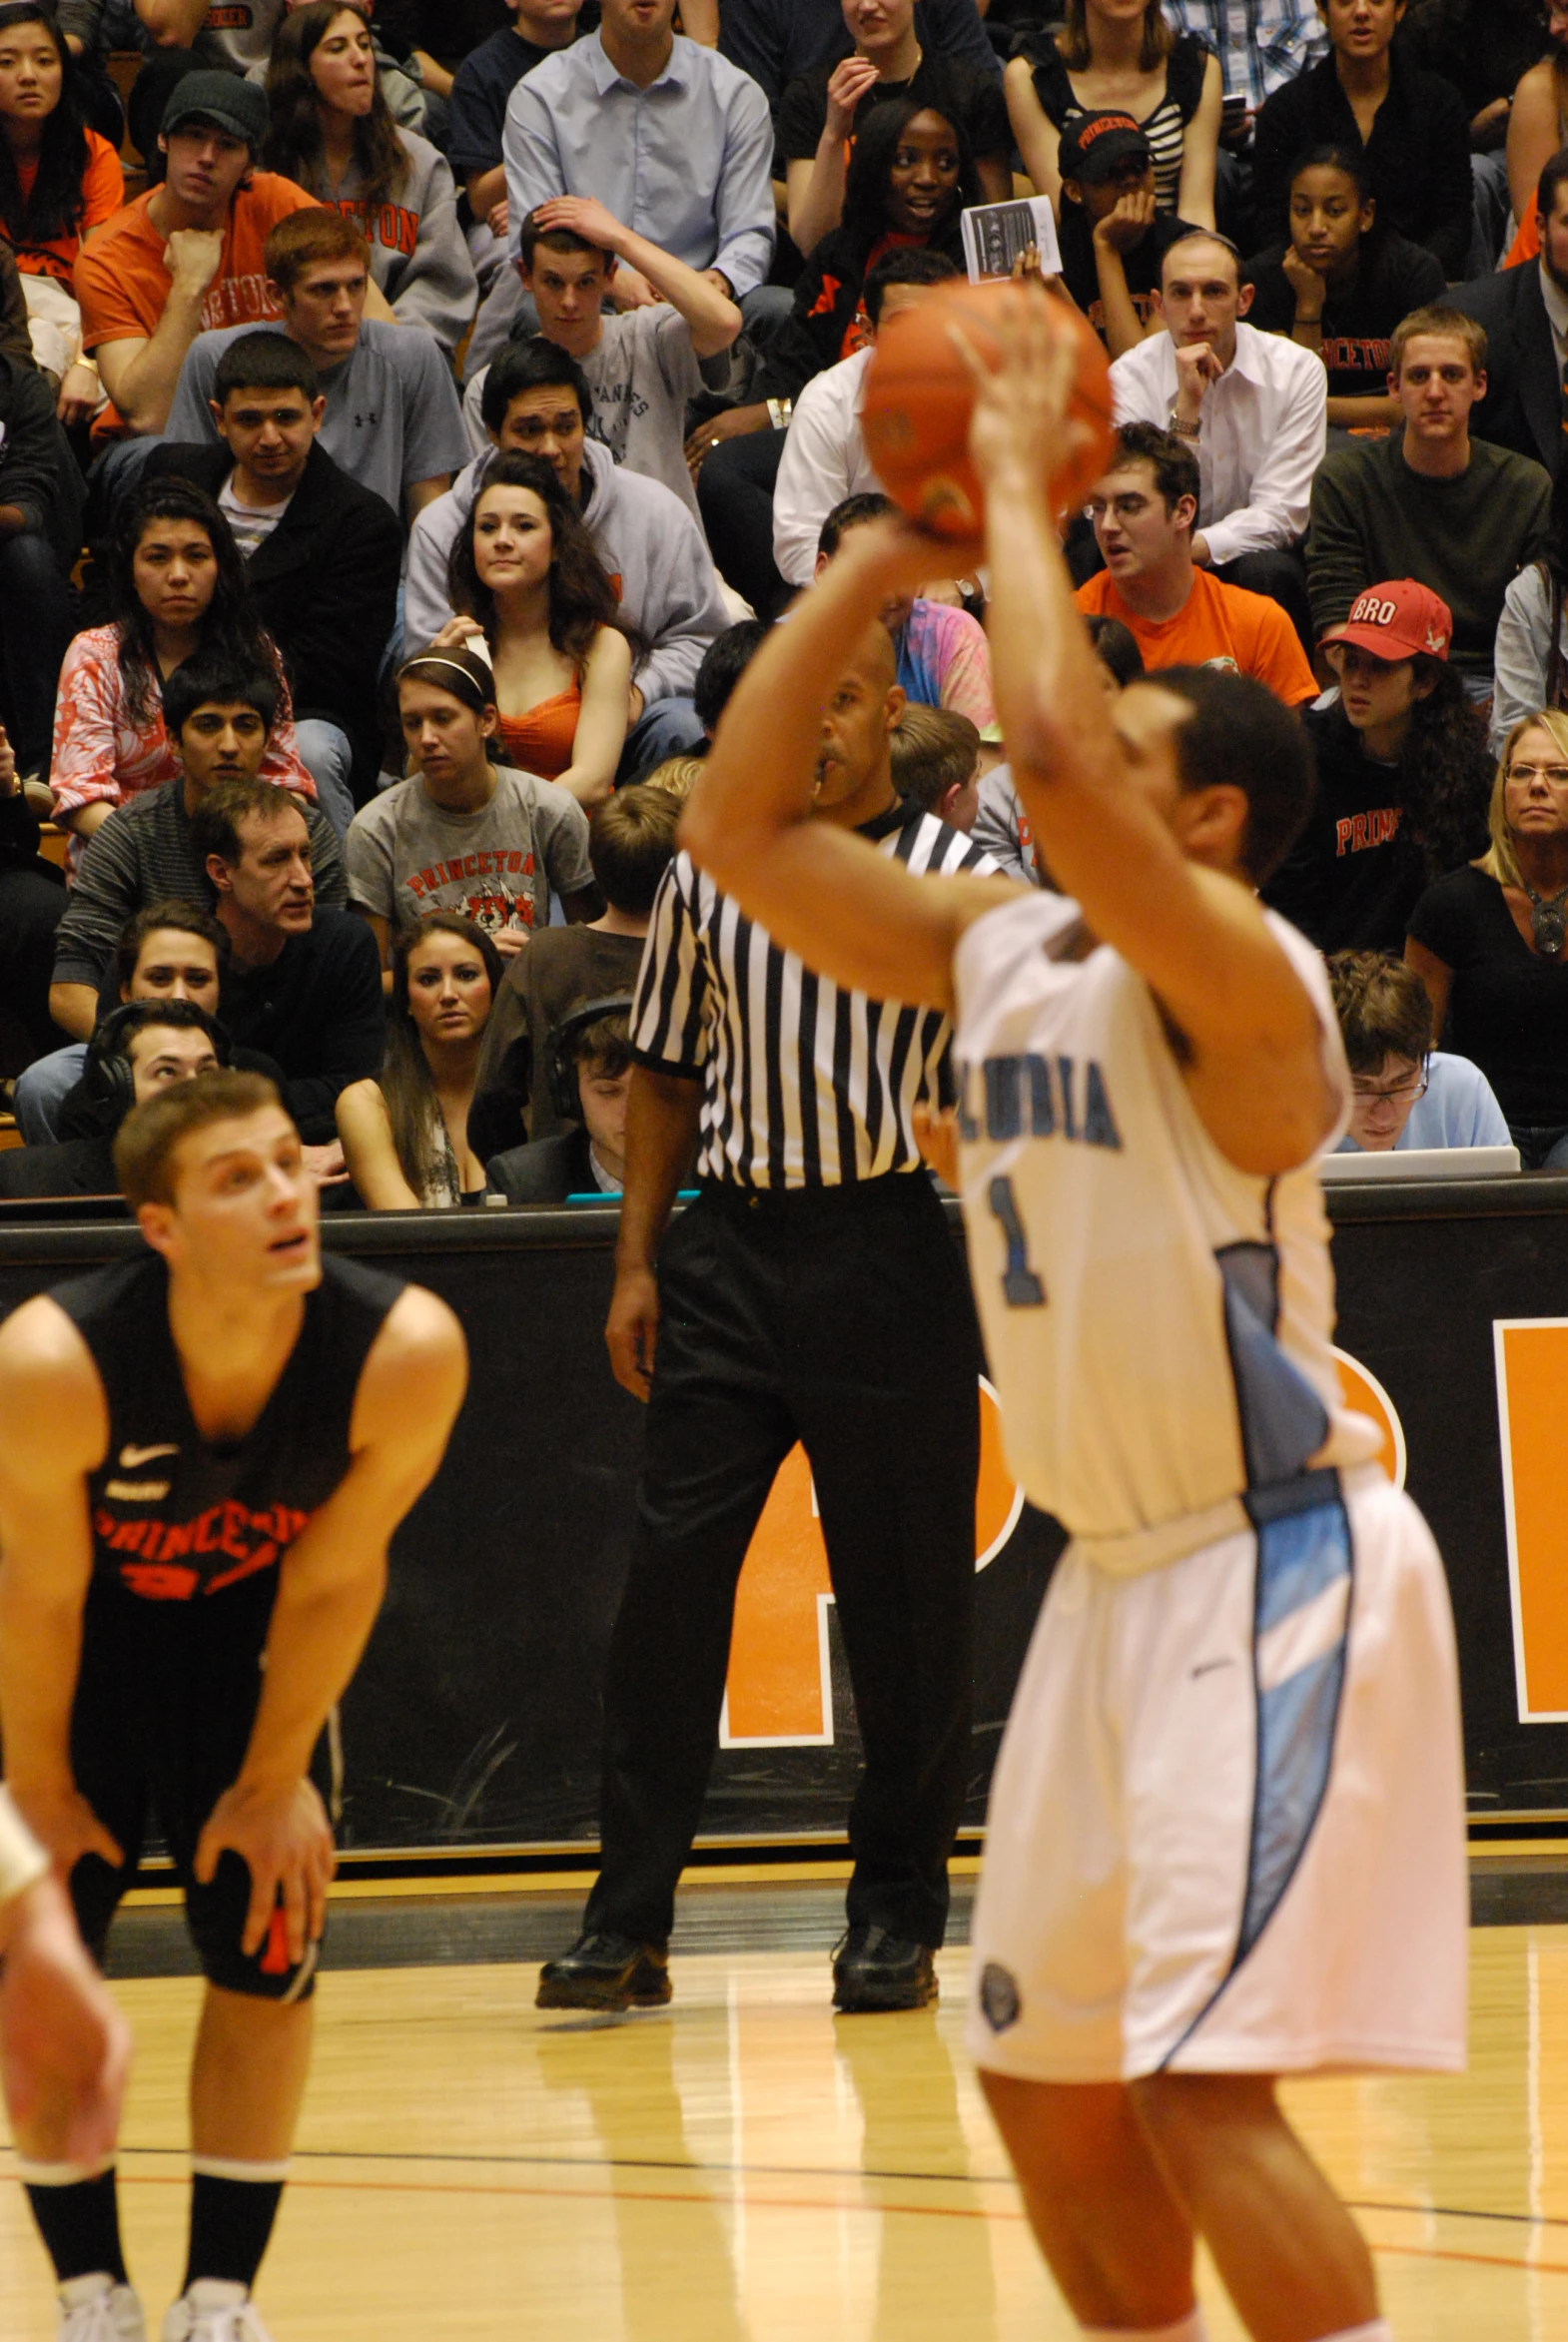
(23, 1860)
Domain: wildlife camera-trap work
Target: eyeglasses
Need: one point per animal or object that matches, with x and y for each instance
(1404, 1093)
(1556, 774)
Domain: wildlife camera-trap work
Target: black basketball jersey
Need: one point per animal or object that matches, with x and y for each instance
(175, 1517)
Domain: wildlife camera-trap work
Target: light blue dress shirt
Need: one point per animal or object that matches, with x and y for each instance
(1260, 44)
(687, 162)
(1459, 1110)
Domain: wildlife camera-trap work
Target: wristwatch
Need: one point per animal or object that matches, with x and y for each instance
(1184, 430)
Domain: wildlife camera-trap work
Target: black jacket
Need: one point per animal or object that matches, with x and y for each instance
(1524, 407)
(38, 472)
(72, 1167)
(1419, 154)
(326, 583)
(546, 1171)
(318, 1010)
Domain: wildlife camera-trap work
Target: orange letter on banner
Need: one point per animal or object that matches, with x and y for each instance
(778, 1688)
(1532, 1391)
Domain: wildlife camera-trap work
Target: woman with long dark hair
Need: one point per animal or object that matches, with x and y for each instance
(58, 182)
(1340, 283)
(176, 585)
(1120, 56)
(406, 1133)
(332, 134)
(1403, 776)
(908, 179)
(524, 574)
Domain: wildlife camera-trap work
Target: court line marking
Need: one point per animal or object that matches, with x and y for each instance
(792, 2171)
(776, 2203)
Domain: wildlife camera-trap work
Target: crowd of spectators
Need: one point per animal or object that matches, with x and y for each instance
(411, 419)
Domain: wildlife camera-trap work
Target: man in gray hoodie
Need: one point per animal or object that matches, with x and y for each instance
(536, 402)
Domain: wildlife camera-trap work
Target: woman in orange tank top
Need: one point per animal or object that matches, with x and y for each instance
(524, 574)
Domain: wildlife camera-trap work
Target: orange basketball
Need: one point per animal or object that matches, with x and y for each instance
(916, 410)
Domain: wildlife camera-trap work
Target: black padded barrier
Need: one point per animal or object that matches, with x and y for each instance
(472, 1727)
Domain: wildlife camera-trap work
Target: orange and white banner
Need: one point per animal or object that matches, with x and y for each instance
(1533, 1413)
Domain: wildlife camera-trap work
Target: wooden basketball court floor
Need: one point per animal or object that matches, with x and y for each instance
(745, 2169)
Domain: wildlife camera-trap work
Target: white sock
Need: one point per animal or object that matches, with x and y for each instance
(1378, 2331)
(1189, 2329)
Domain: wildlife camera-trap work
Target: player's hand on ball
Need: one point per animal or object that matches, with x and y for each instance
(632, 1330)
(936, 1135)
(1020, 424)
(64, 1824)
(64, 2046)
(284, 1840)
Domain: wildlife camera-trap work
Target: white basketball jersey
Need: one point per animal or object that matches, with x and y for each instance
(1158, 1322)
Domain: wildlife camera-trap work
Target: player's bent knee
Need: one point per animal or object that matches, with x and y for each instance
(217, 1915)
(1190, 2115)
(1064, 2133)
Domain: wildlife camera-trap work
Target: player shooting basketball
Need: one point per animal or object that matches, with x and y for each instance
(1226, 1839)
(204, 1453)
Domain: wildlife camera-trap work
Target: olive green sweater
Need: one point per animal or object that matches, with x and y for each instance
(1467, 537)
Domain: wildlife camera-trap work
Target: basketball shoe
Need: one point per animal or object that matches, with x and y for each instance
(212, 2310)
(95, 2309)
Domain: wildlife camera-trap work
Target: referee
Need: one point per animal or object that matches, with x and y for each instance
(812, 1292)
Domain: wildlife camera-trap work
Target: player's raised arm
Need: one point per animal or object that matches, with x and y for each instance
(1153, 854)
(330, 1589)
(851, 913)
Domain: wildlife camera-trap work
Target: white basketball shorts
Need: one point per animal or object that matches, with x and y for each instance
(1227, 1828)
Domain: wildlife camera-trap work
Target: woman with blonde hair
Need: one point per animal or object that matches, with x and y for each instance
(1488, 942)
(1122, 57)
(406, 1133)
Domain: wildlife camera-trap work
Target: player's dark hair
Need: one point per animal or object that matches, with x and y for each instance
(908, 263)
(1383, 1008)
(582, 596)
(54, 205)
(1350, 162)
(868, 181)
(533, 365)
(148, 1138)
(725, 662)
(631, 839)
(230, 626)
(1115, 647)
(932, 750)
(1240, 736)
(531, 237)
(215, 825)
(265, 362)
(406, 1082)
(209, 681)
(872, 506)
(166, 918)
(1170, 459)
(293, 145)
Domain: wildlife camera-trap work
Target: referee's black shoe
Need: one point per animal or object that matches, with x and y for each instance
(873, 1970)
(605, 1972)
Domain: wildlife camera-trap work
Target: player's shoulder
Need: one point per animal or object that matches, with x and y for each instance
(417, 1364)
(51, 1392)
(1011, 942)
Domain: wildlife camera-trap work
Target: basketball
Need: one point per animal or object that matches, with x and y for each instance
(917, 399)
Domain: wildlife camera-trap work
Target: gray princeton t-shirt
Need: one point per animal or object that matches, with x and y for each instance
(499, 867)
(392, 417)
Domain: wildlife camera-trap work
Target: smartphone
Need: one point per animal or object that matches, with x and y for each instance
(1232, 109)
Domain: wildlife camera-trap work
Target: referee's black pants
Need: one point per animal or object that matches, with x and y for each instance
(841, 1317)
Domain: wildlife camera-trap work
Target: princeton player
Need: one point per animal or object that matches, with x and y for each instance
(204, 1453)
(1226, 1839)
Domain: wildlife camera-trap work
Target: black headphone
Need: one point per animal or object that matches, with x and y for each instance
(560, 1067)
(108, 1087)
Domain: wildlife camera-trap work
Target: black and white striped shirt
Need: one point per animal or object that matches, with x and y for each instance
(804, 1085)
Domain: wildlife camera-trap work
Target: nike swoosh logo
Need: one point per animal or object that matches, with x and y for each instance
(130, 1457)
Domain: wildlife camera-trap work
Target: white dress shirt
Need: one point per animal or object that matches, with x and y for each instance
(687, 162)
(824, 460)
(1263, 426)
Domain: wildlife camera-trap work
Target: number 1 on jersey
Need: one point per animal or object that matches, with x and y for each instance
(1021, 1286)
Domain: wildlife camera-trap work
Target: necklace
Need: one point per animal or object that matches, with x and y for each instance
(1548, 920)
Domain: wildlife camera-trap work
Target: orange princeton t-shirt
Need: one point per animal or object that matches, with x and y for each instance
(122, 281)
(1218, 626)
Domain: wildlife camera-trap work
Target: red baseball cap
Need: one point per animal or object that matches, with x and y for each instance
(1397, 620)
